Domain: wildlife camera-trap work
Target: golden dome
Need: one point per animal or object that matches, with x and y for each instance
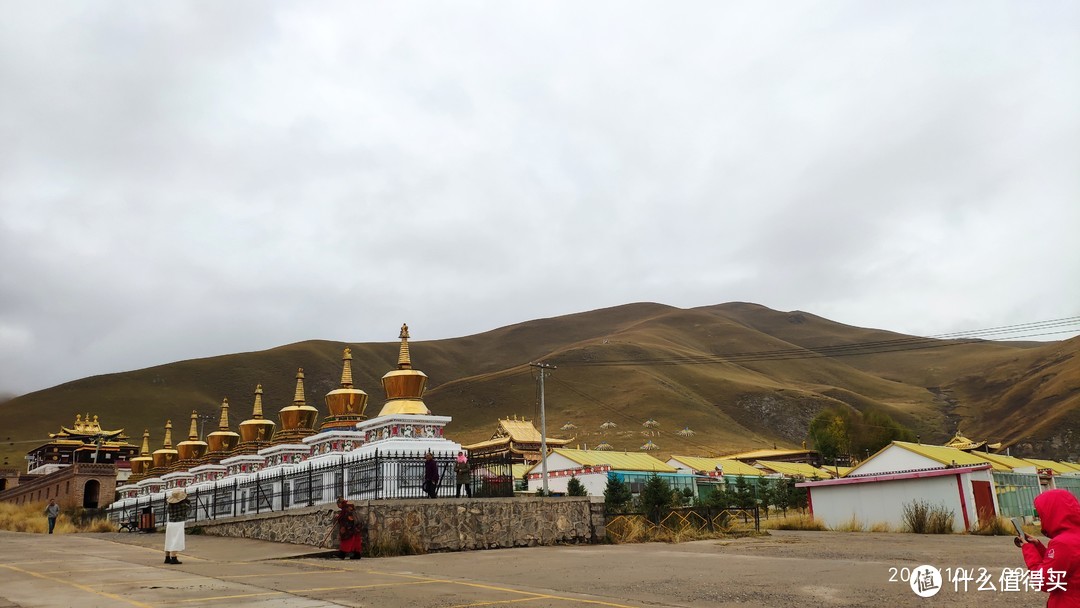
(193, 448)
(346, 403)
(256, 428)
(167, 455)
(142, 463)
(299, 416)
(223, 439)
(404, 386)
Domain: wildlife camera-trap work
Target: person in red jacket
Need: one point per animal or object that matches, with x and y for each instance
(1058, 562)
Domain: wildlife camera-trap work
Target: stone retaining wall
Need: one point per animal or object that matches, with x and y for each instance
(433, 525)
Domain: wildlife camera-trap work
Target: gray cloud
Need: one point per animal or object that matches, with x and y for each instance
(189, 179)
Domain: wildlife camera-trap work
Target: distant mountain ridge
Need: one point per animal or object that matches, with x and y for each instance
(739, 375)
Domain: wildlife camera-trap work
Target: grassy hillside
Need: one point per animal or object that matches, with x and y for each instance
(740, 375)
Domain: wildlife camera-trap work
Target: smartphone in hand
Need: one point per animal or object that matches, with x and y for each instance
(1018, 526)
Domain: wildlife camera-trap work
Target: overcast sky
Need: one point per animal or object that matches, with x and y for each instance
(189, 179)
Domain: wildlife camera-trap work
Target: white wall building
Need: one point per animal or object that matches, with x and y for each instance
(967, 491)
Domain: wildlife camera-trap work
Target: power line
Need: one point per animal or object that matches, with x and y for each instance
(848, 350)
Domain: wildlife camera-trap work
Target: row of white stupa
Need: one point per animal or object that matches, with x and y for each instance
(404, 428)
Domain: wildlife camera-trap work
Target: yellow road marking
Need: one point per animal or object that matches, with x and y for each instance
(541, 595)
(283, 574)
(507, 590)
(493, 602)
(128, 567)
(149, 581)
(228, 597)
(371, 586)
(78, 586)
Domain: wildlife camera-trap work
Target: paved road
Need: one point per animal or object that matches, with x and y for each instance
(805, 569)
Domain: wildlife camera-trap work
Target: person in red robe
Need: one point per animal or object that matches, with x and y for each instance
(350, 543)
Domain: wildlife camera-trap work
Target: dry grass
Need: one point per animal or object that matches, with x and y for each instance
(639, 530)
(881, 526)
(794, 522)
(31, 518)
(999, 526)
(851, 525)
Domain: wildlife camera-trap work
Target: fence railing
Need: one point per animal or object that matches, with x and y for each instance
(631, 526)
(375, 477)
(1015, 493)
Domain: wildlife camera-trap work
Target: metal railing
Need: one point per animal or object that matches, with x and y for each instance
(393, 475)
(628, 527)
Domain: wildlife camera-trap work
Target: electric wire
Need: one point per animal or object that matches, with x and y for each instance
(847, 350)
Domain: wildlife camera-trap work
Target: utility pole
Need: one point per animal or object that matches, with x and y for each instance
(543, 425)
(202, 425)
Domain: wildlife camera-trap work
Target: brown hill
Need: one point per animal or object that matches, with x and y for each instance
(740, 375)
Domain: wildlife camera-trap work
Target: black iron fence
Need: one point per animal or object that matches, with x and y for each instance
(375, 477)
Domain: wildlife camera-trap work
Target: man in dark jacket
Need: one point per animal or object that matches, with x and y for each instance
(1058, 563)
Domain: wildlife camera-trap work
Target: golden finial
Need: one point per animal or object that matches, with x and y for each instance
(298, 398)
(193, 433)
(404, 362)
(256, 412)
(223, 424)
(145, 451)
(346, 368)
(168, 435)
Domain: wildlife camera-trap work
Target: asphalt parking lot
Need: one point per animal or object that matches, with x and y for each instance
(805, 569)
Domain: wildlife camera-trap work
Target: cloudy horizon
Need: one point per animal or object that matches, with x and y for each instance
(183, 180)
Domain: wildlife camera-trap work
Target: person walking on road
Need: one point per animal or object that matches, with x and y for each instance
(431, 475)
(350, 541)
(462, 475)
(177, 511)
(52, 511)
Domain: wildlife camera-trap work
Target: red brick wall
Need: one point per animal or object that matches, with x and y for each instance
(66, 486)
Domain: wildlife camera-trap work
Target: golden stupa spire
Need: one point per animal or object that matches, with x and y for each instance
(145, 451)
(223, 424)
(403, 361)
(346, 369)
(142, 463)
(404, 386)
(256, 428)
(298, 419)
(346, 404)
(256, 412)
(193, 433)
(166, 456)
(222, 440)
(298, 398)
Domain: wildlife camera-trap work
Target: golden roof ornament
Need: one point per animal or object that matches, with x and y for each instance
(346, 368)
(404, 386)
(142, 463)
(145, 451)
(404, 362)
(257, 428)
(298, 417)
(223, 439)
(345, 404)
(193, 448)
(167, 455)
